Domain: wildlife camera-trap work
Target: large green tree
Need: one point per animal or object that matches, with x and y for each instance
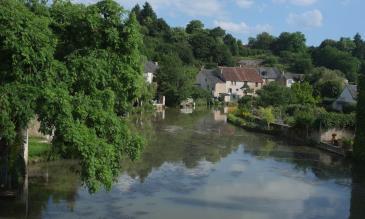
(175, 80)
(79, 88)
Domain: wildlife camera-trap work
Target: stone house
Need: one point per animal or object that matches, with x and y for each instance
(230, 83)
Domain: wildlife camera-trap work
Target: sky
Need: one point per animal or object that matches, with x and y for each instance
(317, 19)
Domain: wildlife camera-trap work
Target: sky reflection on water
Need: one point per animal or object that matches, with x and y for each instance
(196, 167)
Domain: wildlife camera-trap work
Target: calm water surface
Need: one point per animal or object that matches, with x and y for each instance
(198, 166)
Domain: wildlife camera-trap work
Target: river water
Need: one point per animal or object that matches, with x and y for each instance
(198, 166)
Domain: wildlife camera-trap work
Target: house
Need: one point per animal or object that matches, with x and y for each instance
(253, 63)
(288, 79)
(269, 74)
(208, 78)
(348, 97)
(150, 69)
(230, 83)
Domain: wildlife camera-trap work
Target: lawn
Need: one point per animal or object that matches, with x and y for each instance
(38, 147)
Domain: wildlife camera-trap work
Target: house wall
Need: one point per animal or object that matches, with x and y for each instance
(289, 82)
(235, 88)
(340, 134)
(148, 77)
(219, 88)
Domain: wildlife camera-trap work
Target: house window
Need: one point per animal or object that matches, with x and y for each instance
(231, 82)
(230, 90)
(257, 84)
(236, 89)
(245, 83)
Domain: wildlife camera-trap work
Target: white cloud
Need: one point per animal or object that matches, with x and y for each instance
(242, 28)
(296, 2)
(244, 3)
(307, 19)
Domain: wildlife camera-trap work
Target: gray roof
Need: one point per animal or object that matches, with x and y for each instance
(269, 73)
(297, 77)
(211, 75)
(353, 90)
(151, 67)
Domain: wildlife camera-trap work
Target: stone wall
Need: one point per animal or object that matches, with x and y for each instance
(340, 134)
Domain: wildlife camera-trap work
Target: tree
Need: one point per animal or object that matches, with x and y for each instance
(194, 26)
(262, 41)
(267, 115)
(81, 95)
(297, 62)
(292, 42)
(359, 50)
(274, 94)
(202, 44)
(231, 43)
(174, 80)
(302, 93)
(305, 118)
(359, 144)
(217, 32)
(333, 58)
(326, 82)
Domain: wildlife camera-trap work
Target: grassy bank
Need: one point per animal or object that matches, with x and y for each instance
(39, 149)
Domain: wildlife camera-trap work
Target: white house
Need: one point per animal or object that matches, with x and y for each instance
(347, 97)
(230, 83)
(150, 69)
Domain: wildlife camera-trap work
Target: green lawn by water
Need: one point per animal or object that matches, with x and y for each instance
(38, 148)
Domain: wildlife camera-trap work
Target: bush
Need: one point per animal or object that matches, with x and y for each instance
(349, 108)
(336, 120)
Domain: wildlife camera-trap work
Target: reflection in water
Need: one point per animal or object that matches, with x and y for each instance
(197, 166)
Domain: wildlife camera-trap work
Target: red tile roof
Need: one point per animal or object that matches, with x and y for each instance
(241, 74)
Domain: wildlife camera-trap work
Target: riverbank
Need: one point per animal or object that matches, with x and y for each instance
(289, 133)
(39, 149)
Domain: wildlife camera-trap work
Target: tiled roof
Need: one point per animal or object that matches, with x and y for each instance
(241, 74)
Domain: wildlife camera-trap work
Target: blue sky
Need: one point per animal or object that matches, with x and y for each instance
(317, 19)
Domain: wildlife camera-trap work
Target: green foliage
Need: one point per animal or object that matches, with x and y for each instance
(302, 93)
(38, 148)
(267, 115)
(291, 42)
(329, 120)
(79, 85)
(262, 41)
(274, 94)
(305, 118)
(194, 26)
(175, 80)
(334, 58)
(359, 145)
(326, 82)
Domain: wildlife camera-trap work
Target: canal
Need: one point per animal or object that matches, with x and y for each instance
(195, 165)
